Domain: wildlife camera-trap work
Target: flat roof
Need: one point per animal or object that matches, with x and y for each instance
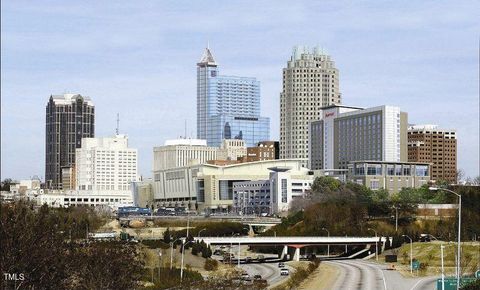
(390, 162)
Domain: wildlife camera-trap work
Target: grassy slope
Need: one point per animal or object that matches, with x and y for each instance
(430, 253)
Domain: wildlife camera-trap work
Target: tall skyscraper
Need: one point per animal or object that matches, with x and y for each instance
(428, 143)
(228, 107)
(69, 118)
(310, 82)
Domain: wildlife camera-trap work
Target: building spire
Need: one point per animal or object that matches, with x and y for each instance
(207, 56)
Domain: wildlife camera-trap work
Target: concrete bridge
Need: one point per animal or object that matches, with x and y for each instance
(295, 242)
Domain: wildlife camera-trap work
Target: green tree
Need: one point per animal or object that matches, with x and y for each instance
(167, 236)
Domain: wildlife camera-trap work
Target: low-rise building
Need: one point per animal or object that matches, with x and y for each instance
(232, 149)
(182, 152)
(82, 198)
(265, 150)
(142, 192)
(273, 195)
(210, 187)
(392, 176)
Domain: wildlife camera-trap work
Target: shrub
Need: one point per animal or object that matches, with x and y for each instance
(211, 265)
(155, 244)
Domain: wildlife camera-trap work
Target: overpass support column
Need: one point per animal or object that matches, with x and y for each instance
(296, 256)
(284, 253)
(251, 233)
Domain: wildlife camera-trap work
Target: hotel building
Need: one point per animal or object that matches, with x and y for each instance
(346, 134)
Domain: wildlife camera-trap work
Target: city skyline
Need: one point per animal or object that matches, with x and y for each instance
(120, 61)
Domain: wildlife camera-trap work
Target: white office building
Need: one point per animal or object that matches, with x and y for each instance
(182, 152)
(106, 166)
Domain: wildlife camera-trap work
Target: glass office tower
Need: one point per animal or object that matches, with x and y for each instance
(228, 107)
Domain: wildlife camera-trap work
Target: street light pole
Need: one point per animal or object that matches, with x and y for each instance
(171, 252)
(459, 229)
(159, 263)
(443, 273)
(411, 253)
(328, 245)
(238, 259)
(376, 243)
(200, 232)
(183, 254)
(396, 218)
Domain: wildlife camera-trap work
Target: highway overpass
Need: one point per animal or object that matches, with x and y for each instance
(294, 242)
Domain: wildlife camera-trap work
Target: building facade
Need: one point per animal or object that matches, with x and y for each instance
(106, 165)
(310, 82)
(428, 143)
(265, 150)
(346, 134)
(181, 153)
(391, 176)
(228, 107)
(209, 187)
(69, 118)
(232, 149)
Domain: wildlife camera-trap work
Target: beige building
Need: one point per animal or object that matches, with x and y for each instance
(392, 176)
(428, 143)
(68, 178)
(232, 149)
(310, 82)
(210, 187)
(182, 152)
(142, 192)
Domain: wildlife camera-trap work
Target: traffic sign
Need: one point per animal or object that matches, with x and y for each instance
(451, 283)
(416, 265)
(477, 274)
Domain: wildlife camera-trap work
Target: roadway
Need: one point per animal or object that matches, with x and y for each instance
(269, 271)
(365, 275)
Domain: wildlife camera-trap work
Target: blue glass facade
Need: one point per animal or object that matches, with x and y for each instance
(250, 129)
(228, 107)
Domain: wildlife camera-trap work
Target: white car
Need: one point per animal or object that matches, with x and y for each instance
(284, 272)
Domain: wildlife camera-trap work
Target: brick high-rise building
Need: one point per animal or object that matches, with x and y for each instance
(428, 143)
(69, 118)
(310, 82)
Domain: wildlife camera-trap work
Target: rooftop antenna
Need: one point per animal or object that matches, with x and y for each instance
(185, 129)
(118, 123)
(208, 44)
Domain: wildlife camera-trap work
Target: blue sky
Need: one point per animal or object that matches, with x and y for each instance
(138, 58)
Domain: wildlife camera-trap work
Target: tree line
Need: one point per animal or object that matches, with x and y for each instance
(351, 209)
(49, 248)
